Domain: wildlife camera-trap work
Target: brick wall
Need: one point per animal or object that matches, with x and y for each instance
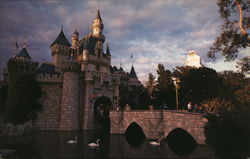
(51, 101)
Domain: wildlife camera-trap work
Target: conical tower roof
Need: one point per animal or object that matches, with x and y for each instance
(98, 15)
(23, 53)
(61, 39)
(107, 50)
(132, 73)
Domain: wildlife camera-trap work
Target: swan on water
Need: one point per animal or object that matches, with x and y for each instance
(73, 141)
(94, 144)
(155, 143)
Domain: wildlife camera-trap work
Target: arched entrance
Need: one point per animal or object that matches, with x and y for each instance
(101, 108)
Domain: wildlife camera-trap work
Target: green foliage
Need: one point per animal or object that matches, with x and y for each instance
(217, 105)
(22, 99)
(197, 84)
(150, 84)
(234, 87)
(135, 96)
(244, 65)
(3, 97)
(234, 31)
(228, 133)
(165, 89)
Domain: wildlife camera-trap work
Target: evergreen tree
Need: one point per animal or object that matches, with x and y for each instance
(165, 87)
(151, 87)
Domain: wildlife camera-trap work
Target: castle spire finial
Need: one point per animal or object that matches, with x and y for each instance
(25, 40)
(132, 60)
(61, 27)
(98, 15)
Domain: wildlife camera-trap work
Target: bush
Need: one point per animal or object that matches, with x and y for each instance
(228, 133)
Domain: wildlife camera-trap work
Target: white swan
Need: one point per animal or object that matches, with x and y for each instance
(73, 141)
(156, 143)
(94, 144)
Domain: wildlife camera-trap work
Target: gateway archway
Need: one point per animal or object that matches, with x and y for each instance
(102, 106)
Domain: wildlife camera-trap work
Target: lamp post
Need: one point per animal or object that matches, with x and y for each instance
(176, 82)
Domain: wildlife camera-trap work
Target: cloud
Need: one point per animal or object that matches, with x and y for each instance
(154, 32)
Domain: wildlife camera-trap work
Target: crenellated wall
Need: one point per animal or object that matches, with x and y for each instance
(52, 78)
(153, 122)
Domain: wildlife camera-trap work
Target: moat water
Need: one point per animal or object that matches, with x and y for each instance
(53, 144)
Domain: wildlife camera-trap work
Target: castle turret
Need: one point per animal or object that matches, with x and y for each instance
(107, 51)
(97, 26)
(97, 30)
(69, 117)
(60, 50)
(133, 80)
(74, 39)
(21, 62)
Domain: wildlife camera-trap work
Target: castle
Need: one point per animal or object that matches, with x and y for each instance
(79, 83)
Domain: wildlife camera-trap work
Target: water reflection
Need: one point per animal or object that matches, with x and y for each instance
(54, 145)
(181, 142)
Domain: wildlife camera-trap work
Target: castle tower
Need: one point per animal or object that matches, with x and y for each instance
(60, 51)
(22, 62)
(69, 117)
(133, 80)
(74, 39)
(97, 30)
(97, 26)
(193, 60)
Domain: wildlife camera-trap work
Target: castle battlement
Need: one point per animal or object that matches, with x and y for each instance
(54, 78)
(71, 66)
(103, 76)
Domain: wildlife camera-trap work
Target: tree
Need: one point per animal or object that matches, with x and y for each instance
(3, 97)
(244, 65)
(234, 86)
(197, 84)
(22, 98)
(151, 85)
(165, 86)
(228, 128)
(227, 133)
(124, 96)
(234, 31)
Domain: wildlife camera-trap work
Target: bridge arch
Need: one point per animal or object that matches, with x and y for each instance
(179, 128)
(133, 123)
(180, 141)
(134, 134)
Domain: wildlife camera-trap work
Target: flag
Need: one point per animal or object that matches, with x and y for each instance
(16, 46)
(131, 56)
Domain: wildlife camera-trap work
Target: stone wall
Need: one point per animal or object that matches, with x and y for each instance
(154, 122)
(69, 119)
(51, 100)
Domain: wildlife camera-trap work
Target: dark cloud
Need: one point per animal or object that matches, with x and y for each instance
(154, 32)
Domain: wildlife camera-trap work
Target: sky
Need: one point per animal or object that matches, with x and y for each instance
(153, 31)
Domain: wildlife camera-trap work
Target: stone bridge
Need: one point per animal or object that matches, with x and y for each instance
(154, 121)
